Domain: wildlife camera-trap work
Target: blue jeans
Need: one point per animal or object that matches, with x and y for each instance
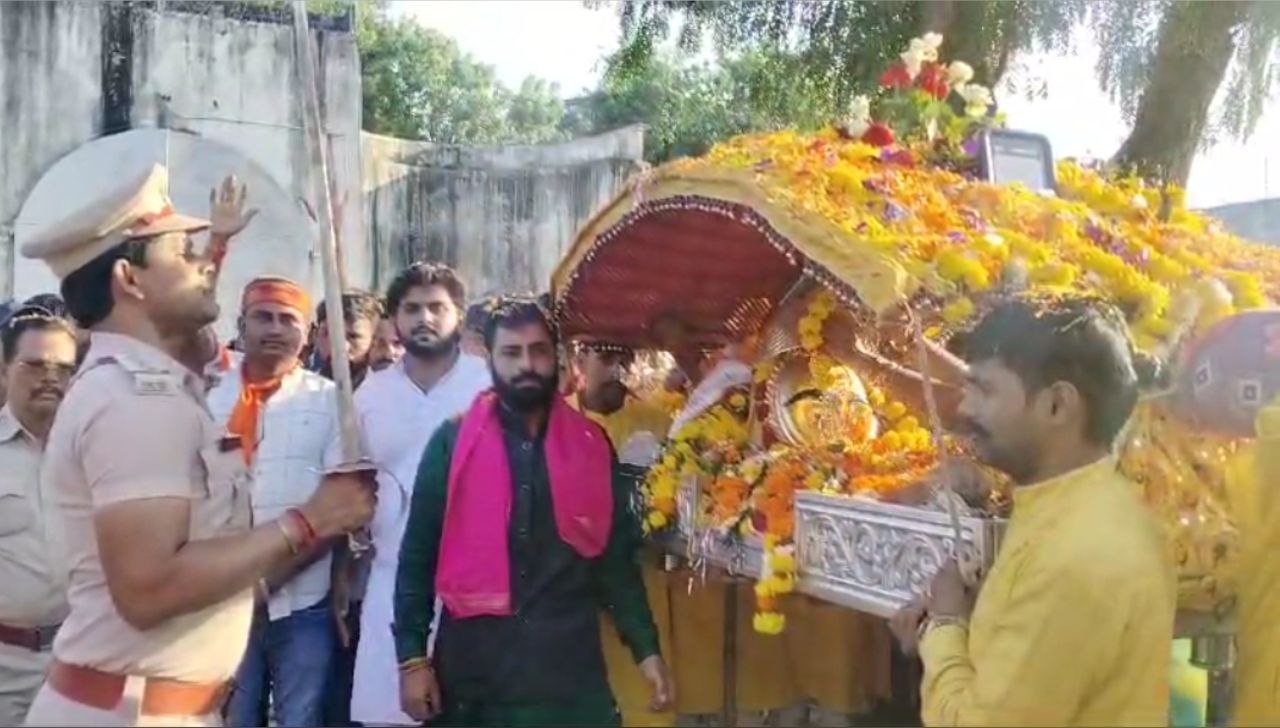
(288, 659)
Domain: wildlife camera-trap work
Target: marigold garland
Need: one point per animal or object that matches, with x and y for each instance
(958, 237)
(1171, 271)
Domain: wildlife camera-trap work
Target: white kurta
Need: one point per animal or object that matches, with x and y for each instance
(396, 421)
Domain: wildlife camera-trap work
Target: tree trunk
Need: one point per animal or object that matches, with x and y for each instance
(1193, 49)
(972, 32)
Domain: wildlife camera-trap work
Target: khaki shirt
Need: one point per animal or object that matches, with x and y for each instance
(30, 567)
(134, 425)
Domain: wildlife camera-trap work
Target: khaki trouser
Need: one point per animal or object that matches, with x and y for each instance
(21, 675)
(51, 708)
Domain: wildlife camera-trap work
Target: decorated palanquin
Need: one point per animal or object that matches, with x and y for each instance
(848, 262)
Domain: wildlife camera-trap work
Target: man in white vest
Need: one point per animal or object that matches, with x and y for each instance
(287, 419)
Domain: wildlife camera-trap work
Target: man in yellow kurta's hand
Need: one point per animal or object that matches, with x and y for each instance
(1072, 624)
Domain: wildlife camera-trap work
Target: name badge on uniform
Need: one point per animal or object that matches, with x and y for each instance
(154, 384)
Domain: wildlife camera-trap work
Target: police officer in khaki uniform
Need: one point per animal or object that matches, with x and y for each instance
(162, 553)
(39, 359)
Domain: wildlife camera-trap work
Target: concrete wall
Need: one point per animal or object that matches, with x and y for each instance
(72, 72)
(1258, 220)
(502, 216)
(94, 92)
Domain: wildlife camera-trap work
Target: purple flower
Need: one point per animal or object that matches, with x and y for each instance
(970, 146)
(1095, 232)
(893, 212)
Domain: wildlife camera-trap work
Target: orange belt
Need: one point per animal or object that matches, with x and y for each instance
(160, 696)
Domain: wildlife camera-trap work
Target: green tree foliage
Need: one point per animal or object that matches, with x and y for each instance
(686, 107)
(1163, 61)
(534, 113)
(842, 46)
(419, 85)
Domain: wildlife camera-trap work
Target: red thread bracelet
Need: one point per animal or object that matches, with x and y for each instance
(308, 531)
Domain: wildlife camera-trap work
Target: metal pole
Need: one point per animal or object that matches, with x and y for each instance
(351, 451)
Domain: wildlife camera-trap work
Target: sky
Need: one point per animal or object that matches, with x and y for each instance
(563, 42)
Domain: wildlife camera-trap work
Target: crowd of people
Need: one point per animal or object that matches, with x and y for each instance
(184, 539)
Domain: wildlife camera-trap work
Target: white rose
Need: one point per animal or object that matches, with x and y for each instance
(856, 126)
(932, 42)
(860, 108)
(977, 98)
(959, 73)
(913, 59)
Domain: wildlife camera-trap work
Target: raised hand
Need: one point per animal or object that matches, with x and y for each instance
(227, 214)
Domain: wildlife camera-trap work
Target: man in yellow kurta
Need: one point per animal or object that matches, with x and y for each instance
(635, 428)
(1072, 625)
(1258, 601)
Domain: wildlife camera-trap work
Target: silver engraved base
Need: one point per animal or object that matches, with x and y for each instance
(852, 551)
(874, 556)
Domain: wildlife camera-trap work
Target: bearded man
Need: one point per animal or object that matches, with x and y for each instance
(520, 526)
(399, 408)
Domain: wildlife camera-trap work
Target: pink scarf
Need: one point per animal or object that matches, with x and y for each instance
(473, 577)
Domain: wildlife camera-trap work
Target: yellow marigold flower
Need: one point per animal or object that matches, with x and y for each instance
(976, 278)
(1054, 274)
(657, 520)
(895, 410)
(782, 583)
(738, 401)
(907, 425)
(771, 623)
(892, 439)
(782, 561)
(875, 396)
(958, 311)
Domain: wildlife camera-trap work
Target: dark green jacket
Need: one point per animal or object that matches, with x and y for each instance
(548, 652)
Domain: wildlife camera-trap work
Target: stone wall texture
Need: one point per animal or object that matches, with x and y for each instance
(94, 92)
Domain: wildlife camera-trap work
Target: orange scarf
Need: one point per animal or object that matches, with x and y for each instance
(248, 410)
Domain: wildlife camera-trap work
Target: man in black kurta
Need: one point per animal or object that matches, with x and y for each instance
(541, 664)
